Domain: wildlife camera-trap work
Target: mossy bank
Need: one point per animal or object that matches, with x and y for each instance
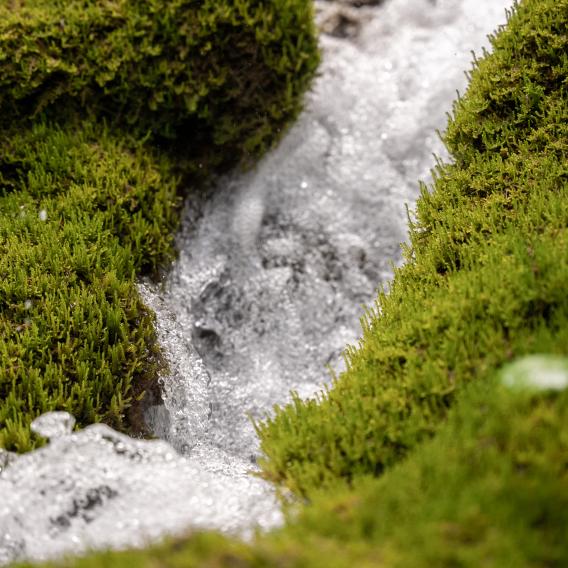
(219, 77)
(489, 490)
(109, 112)
(422, 453)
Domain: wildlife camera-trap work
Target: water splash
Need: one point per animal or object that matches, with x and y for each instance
(53, 425)
(275, 267)
(99, 488)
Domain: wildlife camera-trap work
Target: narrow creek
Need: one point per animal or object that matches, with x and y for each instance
(272, 278)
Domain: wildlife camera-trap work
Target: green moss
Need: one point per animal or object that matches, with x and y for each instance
(81, 213)
(105, 107)
(485, 276)
(491, 489)
(220, 77)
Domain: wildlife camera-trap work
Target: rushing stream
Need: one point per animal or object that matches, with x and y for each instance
(268, 289)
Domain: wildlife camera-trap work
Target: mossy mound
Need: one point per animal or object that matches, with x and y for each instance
(485, 277)
(221, 77)
(105, 107)
(80, 215)
(491, 489)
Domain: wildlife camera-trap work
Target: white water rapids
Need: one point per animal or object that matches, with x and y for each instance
(268, 290)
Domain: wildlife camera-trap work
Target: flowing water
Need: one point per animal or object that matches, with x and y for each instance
(271, 280)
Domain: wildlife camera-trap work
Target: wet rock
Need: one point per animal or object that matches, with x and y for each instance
(341, 18)
(208, 343)
(6, 458)
(84, 506)
(341, 23)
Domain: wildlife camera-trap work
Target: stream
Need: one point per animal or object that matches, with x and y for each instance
(273, 274)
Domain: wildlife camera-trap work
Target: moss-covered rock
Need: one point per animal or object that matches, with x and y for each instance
(485, 277)
(104, 107)
(81, 213)
(221, 77)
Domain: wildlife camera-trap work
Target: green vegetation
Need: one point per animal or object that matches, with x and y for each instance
(107, 110)
(485, 277)
(75, 335)
(419, 454)
(218, 76)
(491, 489)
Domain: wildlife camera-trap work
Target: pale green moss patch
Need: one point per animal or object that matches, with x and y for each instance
(537, 372)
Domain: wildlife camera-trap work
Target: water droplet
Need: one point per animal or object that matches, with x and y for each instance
(43, 215)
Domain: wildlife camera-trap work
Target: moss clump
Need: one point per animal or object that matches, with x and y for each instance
(81, 212)
(491, 489)
(485, 277)
(221, 77)
(105, 107)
